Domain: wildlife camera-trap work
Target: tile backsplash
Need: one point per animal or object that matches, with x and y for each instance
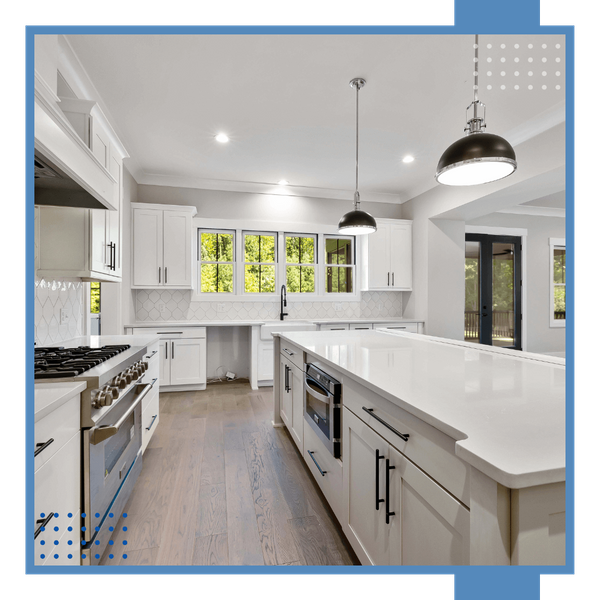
(50, 298)
(177, 305)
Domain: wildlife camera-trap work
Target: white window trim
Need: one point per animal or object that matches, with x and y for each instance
(555, 243)
(239, 228)
(215, 295)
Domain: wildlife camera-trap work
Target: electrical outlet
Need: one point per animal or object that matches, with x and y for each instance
(380, 307)
(161, 307)
(337, 306)
(221, 308)
(64, 316)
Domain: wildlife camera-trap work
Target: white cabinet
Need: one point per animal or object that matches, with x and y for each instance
(292, 399)
(78, 242)
(57, 485)
(394, 513)
(162, 246)
(386, 256)
(150, 402)
(334, 327)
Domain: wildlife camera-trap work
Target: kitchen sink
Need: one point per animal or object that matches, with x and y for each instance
(270, 327)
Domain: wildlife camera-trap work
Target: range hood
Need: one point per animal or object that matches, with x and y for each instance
(66, 171)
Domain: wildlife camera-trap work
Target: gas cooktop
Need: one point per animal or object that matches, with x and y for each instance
(59, 362)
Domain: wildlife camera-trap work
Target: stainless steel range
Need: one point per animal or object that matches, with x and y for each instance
(111, 413)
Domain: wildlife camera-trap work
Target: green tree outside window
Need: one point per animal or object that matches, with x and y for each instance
(216, 257)
(300, 267)
(95, 297)
(259, 258)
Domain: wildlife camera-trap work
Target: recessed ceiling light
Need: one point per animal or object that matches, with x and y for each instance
(221, 137)
(408, 159)
(283, 182)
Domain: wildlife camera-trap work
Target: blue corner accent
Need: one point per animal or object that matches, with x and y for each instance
(497, 15)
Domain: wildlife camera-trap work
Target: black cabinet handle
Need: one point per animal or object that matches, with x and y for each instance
(287, 378)
(165, 274)
(42, 446)
(388, 514)
(316, 463)
(172, 343)
(388, 279)
(158, 274)
(43, 522)
(153, 382)
(166, 349)
(151, 355)
(404, 436)
(378, 500)
(153, 419)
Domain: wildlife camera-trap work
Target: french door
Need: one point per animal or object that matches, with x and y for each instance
(493, 288)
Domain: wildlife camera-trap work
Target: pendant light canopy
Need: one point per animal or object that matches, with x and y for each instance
(478, 157)
(357, 222)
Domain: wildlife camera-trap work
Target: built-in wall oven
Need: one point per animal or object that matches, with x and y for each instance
(323, 407)
(111, 430)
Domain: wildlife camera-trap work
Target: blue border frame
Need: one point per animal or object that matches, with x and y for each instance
(492, 17)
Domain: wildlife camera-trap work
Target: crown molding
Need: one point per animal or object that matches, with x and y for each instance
(534, 211)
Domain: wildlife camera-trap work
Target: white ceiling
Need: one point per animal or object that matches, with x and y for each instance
(285, 102)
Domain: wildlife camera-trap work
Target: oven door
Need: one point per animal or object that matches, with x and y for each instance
(322, 414)
(109, 451)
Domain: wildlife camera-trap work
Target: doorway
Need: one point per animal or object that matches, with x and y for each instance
(493, 290)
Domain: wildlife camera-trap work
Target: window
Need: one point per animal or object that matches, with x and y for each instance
(300, 259)
(558, 278)
(260, 257)
(216, 261)
(339, 265)
(94, 308)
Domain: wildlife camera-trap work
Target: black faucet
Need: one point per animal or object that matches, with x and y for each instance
(283, 302)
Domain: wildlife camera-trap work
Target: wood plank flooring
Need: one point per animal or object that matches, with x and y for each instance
(221, 486)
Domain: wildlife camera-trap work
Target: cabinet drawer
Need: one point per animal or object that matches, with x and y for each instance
(330, 483)
(57, 490)
(409, 327)
(292, 353)
(360, 326)
(172, 332)
(427, 447)
(334, 327)
(150, 416)
(60, 425)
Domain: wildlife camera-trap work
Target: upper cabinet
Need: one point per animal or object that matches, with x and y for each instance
(387, 257)
(161, 246)
(80, 242)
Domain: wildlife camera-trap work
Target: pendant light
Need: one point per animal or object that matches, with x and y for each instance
(357, 222)
(478, 157)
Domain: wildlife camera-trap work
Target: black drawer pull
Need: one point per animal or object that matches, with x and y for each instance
(378, 457)
(151, 355)
(150, 426)
(404, 436)
(388, 514)
(43, 522)
(153, 382)
(316, 463)
(42, 446)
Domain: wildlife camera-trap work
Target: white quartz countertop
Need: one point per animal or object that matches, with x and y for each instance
(49, 396)
(97, 341)
(232, 323)
(506, 409)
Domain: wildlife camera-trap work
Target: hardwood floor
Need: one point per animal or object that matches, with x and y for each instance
(221, 486)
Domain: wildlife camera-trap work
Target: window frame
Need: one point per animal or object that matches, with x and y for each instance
(243, 262)
(198, 291)
(340, 295)
(281, 229)
(314, 265)
(556, 244)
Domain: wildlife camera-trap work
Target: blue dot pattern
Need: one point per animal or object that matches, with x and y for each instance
(61, 534)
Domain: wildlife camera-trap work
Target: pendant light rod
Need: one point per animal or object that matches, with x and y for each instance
(357, 83)
(476, 73)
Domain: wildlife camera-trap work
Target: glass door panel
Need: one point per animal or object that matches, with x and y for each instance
(503, 295)
(493, 290)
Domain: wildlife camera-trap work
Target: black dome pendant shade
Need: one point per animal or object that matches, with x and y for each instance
(478, 157)
(357, 222)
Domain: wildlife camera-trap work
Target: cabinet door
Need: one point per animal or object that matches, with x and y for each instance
(99, 259)
(429, 527)
(188, 361)
(297, 383)
(114, 218)
(177, 251)
(379, 257)
(147, 248)
(164, 371)
(285, 392)
(401, 255)
(265, 361)
(364, 453)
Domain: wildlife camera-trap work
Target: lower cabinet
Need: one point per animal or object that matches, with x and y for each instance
(393, 513)
(292, 399)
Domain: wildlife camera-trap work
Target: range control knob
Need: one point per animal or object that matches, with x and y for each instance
(127, 376)
(113, 391)
(121, 382)
(145, 365)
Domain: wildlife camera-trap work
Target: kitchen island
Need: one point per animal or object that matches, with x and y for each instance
(464, 443)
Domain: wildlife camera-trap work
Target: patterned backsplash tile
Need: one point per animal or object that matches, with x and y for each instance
(178, 306)
(50, 298)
